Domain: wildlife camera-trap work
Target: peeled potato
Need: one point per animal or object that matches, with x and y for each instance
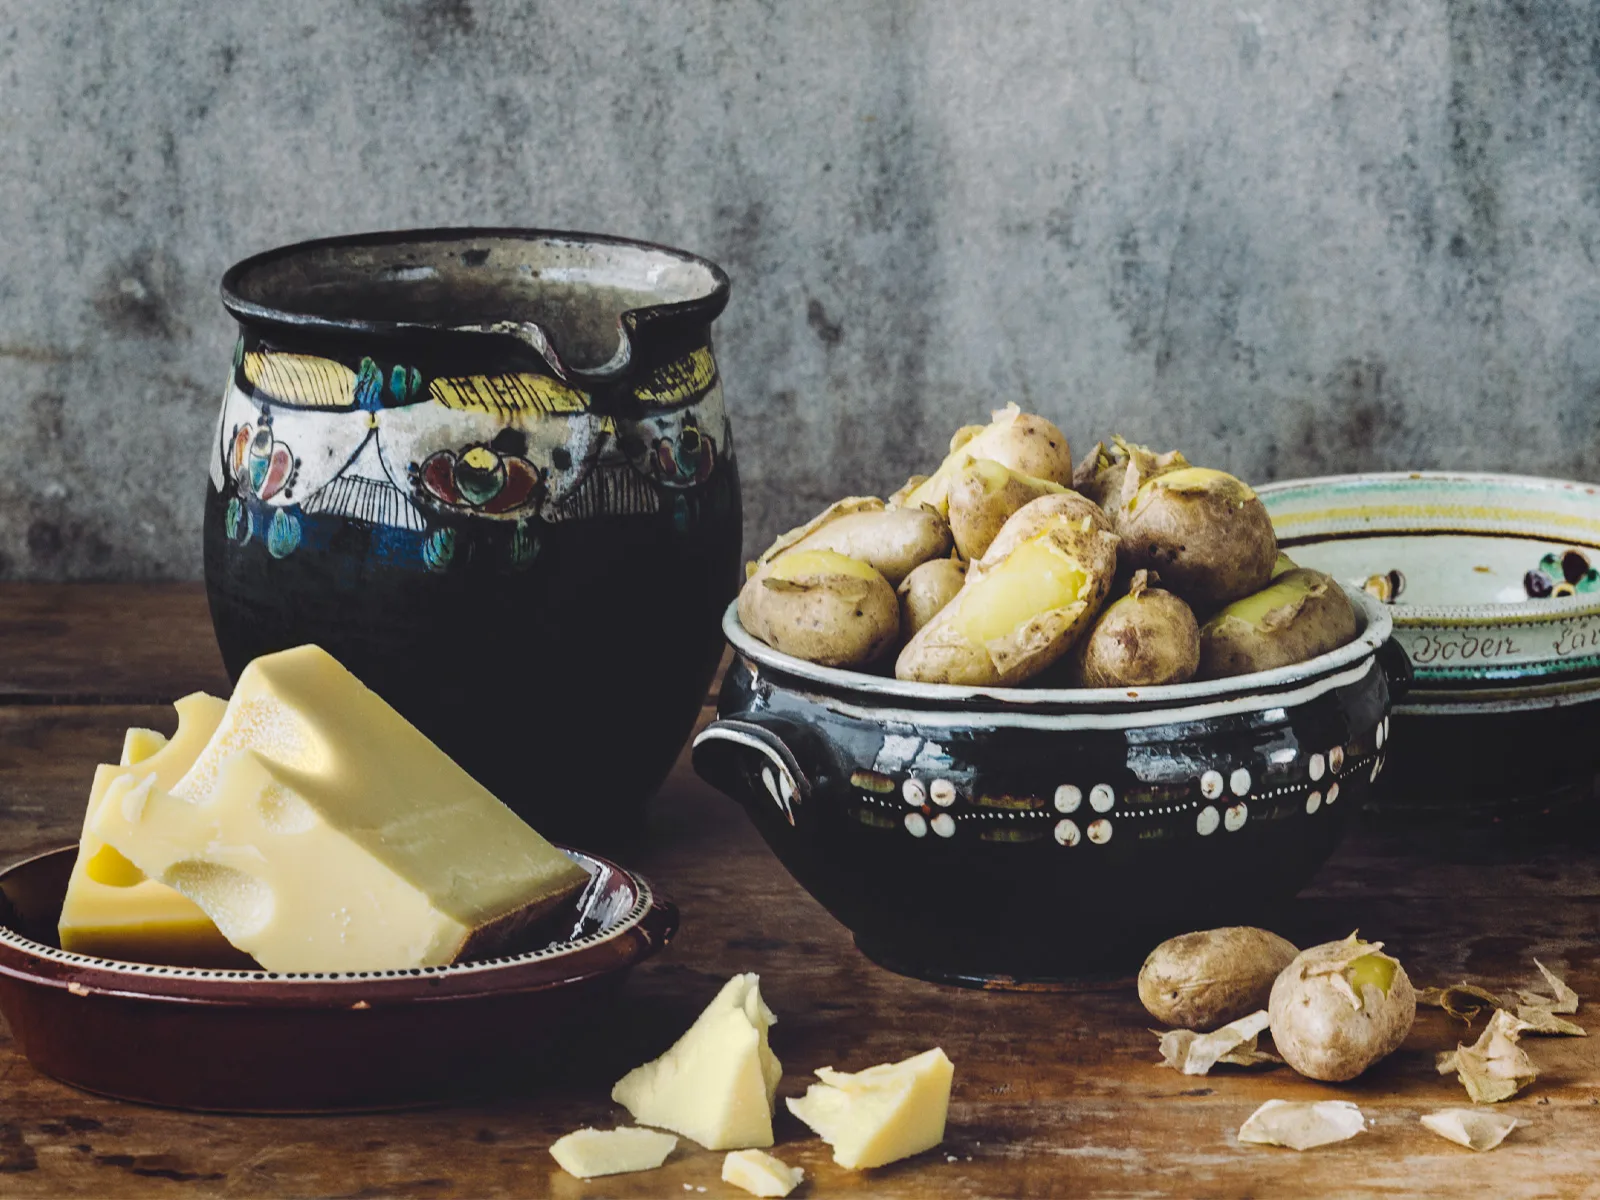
(891, 540)
(1204, 980)
(1148, 638)
(981, 499)
(1299, 615)
(1023, 603)
(1283, 565)
(1207, 533)
(1022, 441)
(1112, 475)
(821, 606)
(1068, 516)
(927, 590)
(1340, 1007)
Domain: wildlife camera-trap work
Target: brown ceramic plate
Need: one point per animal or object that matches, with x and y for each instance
(259, 1041)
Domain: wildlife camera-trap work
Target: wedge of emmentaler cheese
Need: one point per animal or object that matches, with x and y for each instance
(321, 831)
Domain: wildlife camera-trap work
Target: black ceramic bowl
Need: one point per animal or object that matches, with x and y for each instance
(490, 471)
(1012, 835)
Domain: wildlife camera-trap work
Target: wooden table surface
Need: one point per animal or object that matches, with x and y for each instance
(1055, 1094)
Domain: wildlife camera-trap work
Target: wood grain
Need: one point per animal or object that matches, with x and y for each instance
(1055, 1094)
(131, 643)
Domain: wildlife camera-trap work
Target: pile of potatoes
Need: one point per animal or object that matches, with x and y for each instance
(1009, 565)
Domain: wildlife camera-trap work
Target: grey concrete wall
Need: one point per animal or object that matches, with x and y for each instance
(1290, 236)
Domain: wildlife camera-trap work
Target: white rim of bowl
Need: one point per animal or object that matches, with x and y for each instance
(1376, 630)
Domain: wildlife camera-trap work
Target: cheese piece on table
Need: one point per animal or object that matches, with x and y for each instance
(760, 1174)
(322, 832)
(718, 1081)
(140, 744)
(111, 910)
(590, 1152)
(882, 1114)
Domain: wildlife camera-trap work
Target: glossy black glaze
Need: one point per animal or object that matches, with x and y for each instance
(561, 661)
(994, 895)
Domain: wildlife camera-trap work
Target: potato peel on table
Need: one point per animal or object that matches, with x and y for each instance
(1495, 1067)
(1235, 1043)
(1471, 1127)
(1302, 1125)
(1538, 1019)
(1452, 1000)
(1563, 1000)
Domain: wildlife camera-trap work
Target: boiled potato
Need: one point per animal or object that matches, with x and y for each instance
(1299, 615)
(1146, 639)
(1340, 1007)
(821, 606)
(1207, 533)
(1204, 980)
(1112, 475)
(1284, 565)
(839, 508)
(891, 540)
(927, 590)
(1023, 603)
(903, 492)
(1067, 515)
(1022, 441)
(982, 497)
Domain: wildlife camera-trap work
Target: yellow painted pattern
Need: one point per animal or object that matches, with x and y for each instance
(508, 395)
(1426, 512)
(302, 380)
(679, 382)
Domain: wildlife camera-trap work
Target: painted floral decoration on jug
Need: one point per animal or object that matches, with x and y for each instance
(441, 470)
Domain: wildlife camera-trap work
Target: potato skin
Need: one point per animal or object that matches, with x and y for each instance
(1148, 638)
(839, 508)
(1304, 613)
(1022, 441)
(1316, 1028)
(926, 590)
(1204, 980)
(943, 652)
(1112, 475)
(1207, 533)
(833, 610)
(893, 541)
(982, 497)
(1071, 518)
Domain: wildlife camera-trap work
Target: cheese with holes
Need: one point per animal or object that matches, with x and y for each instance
(882, 1114)
(321, 831)
(587, 1153)
(718, 1081)
(111, 910)
(760, 1174)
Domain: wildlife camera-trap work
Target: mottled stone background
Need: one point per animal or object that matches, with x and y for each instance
(1291, 237)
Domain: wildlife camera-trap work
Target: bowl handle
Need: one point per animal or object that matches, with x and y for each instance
(731, 750)
(1396, 664)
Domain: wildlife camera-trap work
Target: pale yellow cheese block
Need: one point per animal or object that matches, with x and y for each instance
(587, 1153)
(140, 744)
(111, 910)
(321, 831)
(882, 1114)
(760, 1174)
(718, 1082)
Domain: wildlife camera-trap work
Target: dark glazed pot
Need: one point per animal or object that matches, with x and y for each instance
(489, 470)
(1020, 836)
